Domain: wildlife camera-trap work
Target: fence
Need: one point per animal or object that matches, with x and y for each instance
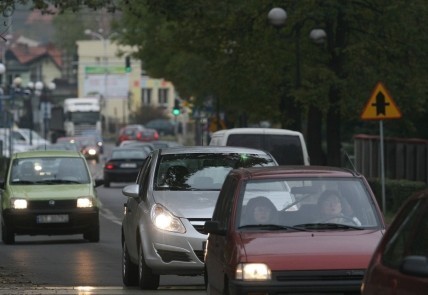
(403, 158)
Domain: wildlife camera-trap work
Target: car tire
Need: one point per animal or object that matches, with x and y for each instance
(147, 280)
(129, 269)
(93, 235)
(7, 235)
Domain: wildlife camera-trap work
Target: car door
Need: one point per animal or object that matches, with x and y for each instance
(133, 208)
(217, 252)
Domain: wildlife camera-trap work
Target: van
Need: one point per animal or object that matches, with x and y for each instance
(288, 147)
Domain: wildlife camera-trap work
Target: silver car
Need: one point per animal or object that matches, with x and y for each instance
(175, 193)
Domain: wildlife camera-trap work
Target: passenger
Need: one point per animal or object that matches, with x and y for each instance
(260, 210)
(330, 207)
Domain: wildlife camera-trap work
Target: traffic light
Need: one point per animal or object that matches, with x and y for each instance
(176, 110)
(128, 64)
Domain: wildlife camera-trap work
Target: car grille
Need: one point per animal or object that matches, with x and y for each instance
(198, 224)
(199, 254)
(52, 204)
(332, 275)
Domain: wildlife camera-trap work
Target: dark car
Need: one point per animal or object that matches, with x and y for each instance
(162, 126)
(175, 193)
(290, 230)
(123, 165)
(137, 132)
(87, 145)
(400, 263)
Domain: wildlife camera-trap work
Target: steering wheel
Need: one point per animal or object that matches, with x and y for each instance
(342, 217)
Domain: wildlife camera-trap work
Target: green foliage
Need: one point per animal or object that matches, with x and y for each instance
(396, 192)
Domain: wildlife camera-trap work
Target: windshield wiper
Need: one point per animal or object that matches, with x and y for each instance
(272, 226)
(57, 181)
(23, 182)
(328, 226)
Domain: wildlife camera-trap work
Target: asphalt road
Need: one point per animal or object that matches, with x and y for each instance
(70, 265)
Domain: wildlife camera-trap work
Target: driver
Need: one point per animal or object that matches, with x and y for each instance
(330, 208)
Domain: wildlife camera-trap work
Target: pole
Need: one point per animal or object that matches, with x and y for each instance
(382, 167)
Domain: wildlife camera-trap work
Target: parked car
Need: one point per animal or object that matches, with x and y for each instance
(123, 165)
(287, 146)
(290, 246)
(175, 193)
(137, 132)
(162, 126)
(400, 263)
(49, 193)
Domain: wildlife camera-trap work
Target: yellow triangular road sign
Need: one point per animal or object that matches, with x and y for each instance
(380, 106)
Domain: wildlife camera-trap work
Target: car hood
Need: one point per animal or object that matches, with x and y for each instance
(57, 192)
(311, 250)
(188, 204)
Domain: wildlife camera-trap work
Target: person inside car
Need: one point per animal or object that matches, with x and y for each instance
(332, 210)
(260, 210)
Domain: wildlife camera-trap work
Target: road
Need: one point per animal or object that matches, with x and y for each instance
(70, 265)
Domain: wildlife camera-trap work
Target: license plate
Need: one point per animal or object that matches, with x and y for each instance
(60, 218)
(128, 165)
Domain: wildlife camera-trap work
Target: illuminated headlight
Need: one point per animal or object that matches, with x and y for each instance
(19, 203)
(163, 219)
(84, 202)
(92, 152)
(253, 272)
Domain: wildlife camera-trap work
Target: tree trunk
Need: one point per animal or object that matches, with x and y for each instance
(314, 136)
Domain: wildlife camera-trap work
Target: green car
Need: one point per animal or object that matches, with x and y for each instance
(49, 193)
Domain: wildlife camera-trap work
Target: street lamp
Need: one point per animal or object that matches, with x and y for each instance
(35, 89)
(16, 89)
(105, 61)
(46, 106)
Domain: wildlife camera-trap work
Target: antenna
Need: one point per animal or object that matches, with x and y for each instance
(350, 161)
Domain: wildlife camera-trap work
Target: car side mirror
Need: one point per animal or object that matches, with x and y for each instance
(213, 227)
(415, 266)
(98, 182)
(131, 190)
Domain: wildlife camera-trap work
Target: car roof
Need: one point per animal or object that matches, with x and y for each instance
(294, 171)
(48, 153)
(245, 130)
(210, 149)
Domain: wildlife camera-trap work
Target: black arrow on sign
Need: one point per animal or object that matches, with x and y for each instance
(380, 104)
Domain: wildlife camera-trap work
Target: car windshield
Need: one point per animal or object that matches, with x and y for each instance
(49, 170)
(308, 203)
(205, 171)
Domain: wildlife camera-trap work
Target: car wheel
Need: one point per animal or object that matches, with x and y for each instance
(93, 235)
(146, 279)
(129, 269)
(7, 235)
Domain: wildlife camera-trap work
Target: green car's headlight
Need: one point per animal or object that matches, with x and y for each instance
(18, 203)
(84, 202)
(253, 272)
(163, 219)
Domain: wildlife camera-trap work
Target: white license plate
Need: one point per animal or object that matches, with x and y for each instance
(128, 165)
(59, 218)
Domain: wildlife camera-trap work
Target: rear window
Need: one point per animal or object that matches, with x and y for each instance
(286, 149)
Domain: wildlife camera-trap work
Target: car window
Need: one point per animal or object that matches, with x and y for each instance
(128, 154)
(49, 170)
(286, 149)
(205, 171)
(410, 237)
(246, 140)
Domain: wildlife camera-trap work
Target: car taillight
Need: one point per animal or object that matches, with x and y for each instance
(109, 166)
(156, 135)
(139, 135)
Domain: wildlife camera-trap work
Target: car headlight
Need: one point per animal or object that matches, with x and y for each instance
(84, 202)
(19, 203)
(253, 272)
(92, 152)
(165, 220)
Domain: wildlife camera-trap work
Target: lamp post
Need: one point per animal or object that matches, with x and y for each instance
(15, 90)
(104, 40)
(46, 106)
(35, 89)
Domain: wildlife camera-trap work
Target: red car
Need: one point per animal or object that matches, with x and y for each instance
(136, 132)
(400, 262)
(286, 229)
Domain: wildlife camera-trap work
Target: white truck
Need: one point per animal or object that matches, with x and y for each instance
(82, 116)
